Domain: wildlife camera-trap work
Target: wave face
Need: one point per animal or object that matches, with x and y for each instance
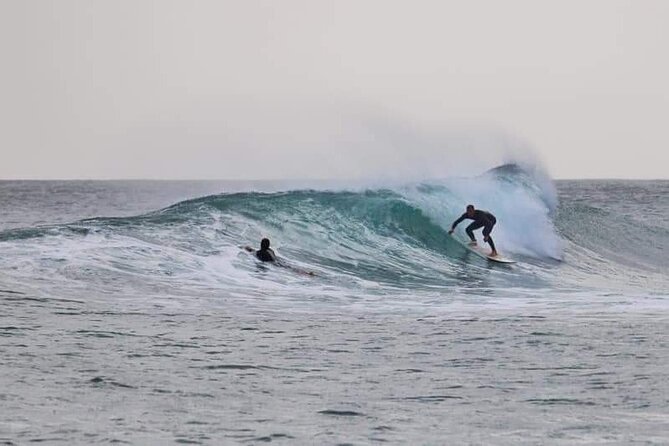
(365, 246)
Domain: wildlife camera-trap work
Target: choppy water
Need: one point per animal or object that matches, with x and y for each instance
(128, 313)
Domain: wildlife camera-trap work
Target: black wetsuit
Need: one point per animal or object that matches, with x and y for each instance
(482, 219)
(266, 255)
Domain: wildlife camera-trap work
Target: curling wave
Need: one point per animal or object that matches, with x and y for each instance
(375, 242)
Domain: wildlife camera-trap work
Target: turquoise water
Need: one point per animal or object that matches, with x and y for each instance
(130, 313)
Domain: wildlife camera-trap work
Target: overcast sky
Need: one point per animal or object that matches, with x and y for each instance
(338, 89)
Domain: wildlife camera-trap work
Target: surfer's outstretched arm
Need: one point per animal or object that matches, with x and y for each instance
(457, 222)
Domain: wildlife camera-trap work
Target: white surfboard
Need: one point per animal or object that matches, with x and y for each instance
(485, 253)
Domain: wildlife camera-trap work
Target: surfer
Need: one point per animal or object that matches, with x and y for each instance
(482, 219)
(265, 253)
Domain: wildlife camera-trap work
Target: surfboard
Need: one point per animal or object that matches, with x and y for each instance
(483, 252)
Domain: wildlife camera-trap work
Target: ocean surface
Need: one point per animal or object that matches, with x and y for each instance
(130, 314)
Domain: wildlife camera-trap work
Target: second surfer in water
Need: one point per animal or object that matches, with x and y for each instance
(266, 254)
(482, 219)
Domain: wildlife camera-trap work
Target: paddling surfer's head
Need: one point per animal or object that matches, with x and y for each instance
(470, 210)
(264, 244)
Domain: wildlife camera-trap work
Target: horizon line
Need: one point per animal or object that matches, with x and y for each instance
(303, 179)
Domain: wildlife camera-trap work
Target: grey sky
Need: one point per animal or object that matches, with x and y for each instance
(315, 89)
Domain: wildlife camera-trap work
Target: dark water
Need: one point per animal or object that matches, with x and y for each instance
(128, 313)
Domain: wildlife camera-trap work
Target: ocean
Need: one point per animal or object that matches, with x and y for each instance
(131, 314)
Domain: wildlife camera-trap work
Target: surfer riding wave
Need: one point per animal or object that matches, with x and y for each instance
(482, 219)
